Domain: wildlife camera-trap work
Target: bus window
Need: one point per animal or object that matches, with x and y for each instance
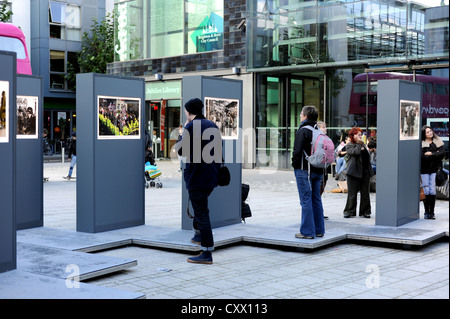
(441, 89)
(428, 88)
(373, 87)
(13, 39)
(359, 87)
(12, 44)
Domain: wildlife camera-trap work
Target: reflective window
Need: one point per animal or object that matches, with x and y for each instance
(14, 45)
(58, 69)
(65, 21)
(296, 32)
(154, 29)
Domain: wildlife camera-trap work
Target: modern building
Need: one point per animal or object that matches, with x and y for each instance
(53, 31)
(289, 53)
(57, 27)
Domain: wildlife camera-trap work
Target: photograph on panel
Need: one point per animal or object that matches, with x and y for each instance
(27, 116)
(225, 114)
(4, 112)
(118, 117)
(409, 120)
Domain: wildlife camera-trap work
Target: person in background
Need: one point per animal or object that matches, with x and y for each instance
(340, 156)
(323, 127)
(359, 172)
(372, 146)
(73, 155)
(432, 154)
(148, 149)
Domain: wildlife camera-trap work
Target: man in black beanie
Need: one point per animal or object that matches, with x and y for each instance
(201, 172)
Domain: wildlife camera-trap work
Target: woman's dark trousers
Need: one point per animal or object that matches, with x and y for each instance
(356, 185)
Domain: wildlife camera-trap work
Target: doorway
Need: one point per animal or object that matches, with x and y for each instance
(162, 118)
(280, 99)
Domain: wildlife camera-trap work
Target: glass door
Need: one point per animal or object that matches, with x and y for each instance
(269, 119)
(280, 99)
(304, 89)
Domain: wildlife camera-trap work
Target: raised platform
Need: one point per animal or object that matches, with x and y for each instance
(44, 254)
(19, 284)
(417, 233)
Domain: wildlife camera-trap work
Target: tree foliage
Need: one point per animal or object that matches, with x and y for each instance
(97, 49)
(5, 14)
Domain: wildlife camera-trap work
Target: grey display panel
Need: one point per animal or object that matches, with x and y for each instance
(29, 159)
(110, 173)
(398, 153)
(224, 202)
(8, 242)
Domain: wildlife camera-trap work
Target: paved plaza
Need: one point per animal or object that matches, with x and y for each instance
(344, 270)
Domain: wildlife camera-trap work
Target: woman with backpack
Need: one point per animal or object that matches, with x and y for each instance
(359, 172)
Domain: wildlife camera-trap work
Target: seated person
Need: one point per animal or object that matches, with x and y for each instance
(340, 153)
(372, 146)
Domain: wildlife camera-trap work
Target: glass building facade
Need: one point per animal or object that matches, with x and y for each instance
(326, 53)
(158, 29)
(169, 39)
(331, 54)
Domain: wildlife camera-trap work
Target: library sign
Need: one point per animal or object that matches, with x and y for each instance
(163, 90)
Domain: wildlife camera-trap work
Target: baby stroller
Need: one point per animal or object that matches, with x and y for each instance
(152, 174)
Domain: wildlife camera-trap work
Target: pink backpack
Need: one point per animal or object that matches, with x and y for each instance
(322, 149)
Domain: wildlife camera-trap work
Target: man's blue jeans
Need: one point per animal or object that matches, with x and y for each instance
(311, 202)
(72, 164)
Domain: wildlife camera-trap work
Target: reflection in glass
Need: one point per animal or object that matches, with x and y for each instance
(286, 33)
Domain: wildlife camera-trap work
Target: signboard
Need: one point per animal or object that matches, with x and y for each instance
(163, 90)
(439, 127)
(162, 122)
(209, 34)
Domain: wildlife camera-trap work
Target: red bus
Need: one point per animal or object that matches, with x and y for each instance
(13, 39)
(434, 100)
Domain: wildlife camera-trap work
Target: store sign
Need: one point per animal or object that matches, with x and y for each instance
(163, 90)
(209, 34)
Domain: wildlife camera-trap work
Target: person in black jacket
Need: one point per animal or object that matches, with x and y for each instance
(201, 146)
(359, 172)
(72, 154)
(148, 149)
(308, 177)
(432, 154)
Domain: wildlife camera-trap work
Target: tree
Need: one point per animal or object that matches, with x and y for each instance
(5, 14)
(97, 50)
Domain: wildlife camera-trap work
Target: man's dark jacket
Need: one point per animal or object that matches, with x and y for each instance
(197, 173)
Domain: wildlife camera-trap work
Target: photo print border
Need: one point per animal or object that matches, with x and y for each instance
(27, 128)
(409, 120)
(118, 117)
(4, 111)
(225, 114)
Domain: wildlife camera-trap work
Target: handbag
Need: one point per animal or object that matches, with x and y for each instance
(422, 194)
(441, 177)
